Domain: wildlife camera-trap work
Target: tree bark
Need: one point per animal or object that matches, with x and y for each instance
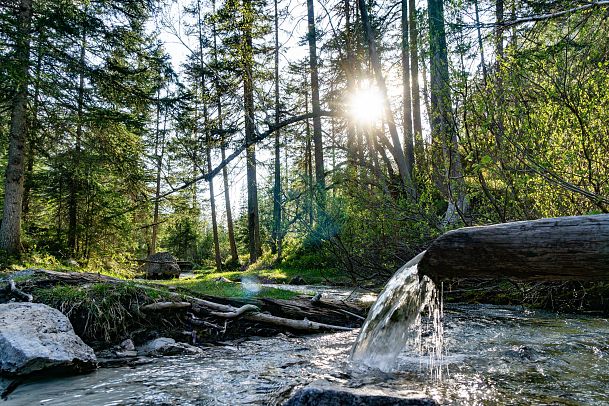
(308, 163)
(229, 212)
(10, 229)
(414, 80)
(445, 148)
(212, 203)
(75, 176)
(277, 234)
(352, 144)
(397, 150)
(480, 44)
(31, 142)
(320, 175)
(563, 248)
(253, 220)
(159, 143)
(406, 92)
(214, 221)
(212, 195)
(498, 61)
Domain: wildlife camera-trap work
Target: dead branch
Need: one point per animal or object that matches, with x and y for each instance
(18, 292)
(165, 305)
(248, 308)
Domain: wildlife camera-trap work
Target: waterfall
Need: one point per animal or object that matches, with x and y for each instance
(394, 322)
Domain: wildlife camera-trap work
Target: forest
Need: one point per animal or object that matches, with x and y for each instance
(261, 142)
(401, 121)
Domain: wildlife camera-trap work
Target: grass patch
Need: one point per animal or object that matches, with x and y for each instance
(119, 267)
(100, 311)
(207, 286)
(280, 275)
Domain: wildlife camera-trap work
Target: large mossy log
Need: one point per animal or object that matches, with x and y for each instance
(562, 248)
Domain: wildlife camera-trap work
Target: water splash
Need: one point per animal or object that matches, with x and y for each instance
(395, 323)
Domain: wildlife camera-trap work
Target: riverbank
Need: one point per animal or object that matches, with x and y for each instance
(105, 310)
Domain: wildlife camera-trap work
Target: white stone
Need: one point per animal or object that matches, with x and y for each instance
(35, 337)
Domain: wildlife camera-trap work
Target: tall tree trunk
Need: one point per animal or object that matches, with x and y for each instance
(320, 175)
(406, 92)
(10, 229)
(444, 137)
(212, 195)
(308, 160)
(229, 212)
(158, 143)
(277, 234)
(31, 142)
(414, 82)
(75, 176)
(352, 147)
(253, 220)
(498, 61)
(480, 44)
(397, 151)
(499, 10)
(212, 202)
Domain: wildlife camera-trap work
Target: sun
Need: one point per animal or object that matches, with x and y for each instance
(366, 104)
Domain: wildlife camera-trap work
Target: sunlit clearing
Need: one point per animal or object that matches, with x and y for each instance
(366, 104)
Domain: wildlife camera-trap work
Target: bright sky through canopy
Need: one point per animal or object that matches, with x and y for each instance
(366, 104)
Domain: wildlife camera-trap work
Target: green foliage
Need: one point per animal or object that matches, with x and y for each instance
(208, 285)
(101, 311)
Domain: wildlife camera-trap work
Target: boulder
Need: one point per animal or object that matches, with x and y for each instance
(167, 346)
(161, 265)
(35, 337)
(298, 280)
(321, 393)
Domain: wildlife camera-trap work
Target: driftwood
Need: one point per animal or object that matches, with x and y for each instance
(223, 310)
(248, 308)
(18, 292)
(165, 306)
(300, 315)
(563, 248)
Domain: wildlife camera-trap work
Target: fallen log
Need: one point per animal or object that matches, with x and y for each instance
(562, 248)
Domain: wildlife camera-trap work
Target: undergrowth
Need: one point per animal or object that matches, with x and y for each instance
(101, 311)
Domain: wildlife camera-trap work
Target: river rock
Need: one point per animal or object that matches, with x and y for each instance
(167, 346)
(161, 265)
(35, 337)
(298, 280)
(321, 393)
(127, 345)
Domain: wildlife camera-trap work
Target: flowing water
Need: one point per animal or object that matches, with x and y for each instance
(409, 345)
(492, 355)
(395, 322)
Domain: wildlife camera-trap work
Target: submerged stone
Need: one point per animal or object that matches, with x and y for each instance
(35, 337)
(326, 394)
(167, 346)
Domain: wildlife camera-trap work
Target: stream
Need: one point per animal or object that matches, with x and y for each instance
(492, 355)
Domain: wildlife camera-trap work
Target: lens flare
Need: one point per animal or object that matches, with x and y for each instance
(366, 104)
